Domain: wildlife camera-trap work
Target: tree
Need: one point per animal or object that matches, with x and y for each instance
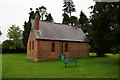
(42, 11)
(25, 33)
(83, 21)
(69, 7)
(7, 44)
(49, 18)
(65, 19)
(27, 26)
(31, 14)
(114, 9)
(37, 12)
(74, 20)
(105, 27)
(0, 33)
(15, 34)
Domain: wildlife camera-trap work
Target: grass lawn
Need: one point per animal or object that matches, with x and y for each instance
(17, 66)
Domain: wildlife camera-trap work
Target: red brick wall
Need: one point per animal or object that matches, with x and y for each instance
(75, 50)
(45, 50)
(32, 54)
(78, 50)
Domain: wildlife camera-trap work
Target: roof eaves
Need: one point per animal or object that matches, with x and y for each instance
(63, 40)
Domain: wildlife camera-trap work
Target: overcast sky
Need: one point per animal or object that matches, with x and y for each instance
(16, 11)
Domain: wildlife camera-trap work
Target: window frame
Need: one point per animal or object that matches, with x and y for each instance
(66, 47)
(53, 47)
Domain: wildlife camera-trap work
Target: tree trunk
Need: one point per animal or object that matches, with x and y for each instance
(70, 14)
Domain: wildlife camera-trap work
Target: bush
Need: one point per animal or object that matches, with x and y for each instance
(14, 50)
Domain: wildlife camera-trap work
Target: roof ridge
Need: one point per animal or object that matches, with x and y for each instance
(56, 23)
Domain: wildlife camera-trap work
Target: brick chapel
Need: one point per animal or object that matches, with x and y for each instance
(47, 41)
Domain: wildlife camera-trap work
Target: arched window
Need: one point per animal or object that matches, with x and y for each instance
(33, 45)
(66, 47)
(30, 45)
(53, 47)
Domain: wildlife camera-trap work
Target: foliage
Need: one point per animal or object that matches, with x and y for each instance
(69, 7)
(37, 12)
(14, 51)
(42, 11)
(105, 27)
(16, 66)
(15, 34)
(49, 18)
(65, 19)
(25, 32)
(7, 44)
(31, 14)
(83, 22)
(0, 33)
(73, 20)
(27, 26)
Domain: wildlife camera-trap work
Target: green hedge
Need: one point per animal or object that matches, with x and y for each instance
(14, 50)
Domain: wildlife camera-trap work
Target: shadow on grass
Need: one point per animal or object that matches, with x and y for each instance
(112, 63)
(99, 56)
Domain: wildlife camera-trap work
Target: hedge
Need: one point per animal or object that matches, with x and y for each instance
(14, 50)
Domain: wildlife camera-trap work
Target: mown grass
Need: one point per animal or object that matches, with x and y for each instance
(17, 66)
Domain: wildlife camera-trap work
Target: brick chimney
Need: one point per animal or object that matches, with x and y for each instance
(37, 21)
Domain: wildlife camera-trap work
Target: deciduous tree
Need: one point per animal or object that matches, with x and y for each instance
(15, 34)
(7, 44)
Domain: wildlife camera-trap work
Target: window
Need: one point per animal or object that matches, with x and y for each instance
(53, 47)
(33, 45)
(66, 47)
(30, 45)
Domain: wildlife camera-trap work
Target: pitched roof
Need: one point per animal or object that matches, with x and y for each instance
(60, 32)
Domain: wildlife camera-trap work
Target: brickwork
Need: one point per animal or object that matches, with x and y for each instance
(45, 50)
(75, 50)
(32, 53)
(78, 50)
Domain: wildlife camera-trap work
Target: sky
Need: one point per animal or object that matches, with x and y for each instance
(15, 12)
